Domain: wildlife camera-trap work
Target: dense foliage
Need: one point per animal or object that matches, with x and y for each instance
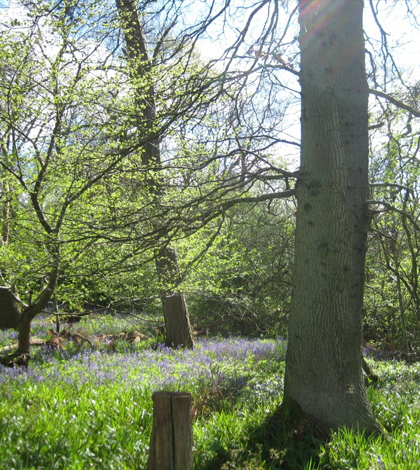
(76, 192)
(110, 153)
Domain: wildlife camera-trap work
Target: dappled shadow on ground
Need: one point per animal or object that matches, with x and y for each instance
(276, 443)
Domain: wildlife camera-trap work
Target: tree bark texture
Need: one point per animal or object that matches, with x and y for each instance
(9, 309)
(177, 323)
(171, 441)
(324, 378)
(175, 311)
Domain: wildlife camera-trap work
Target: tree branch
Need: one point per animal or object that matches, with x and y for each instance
(262, 198)
(390, 207)
(395, 102)
(391, 185)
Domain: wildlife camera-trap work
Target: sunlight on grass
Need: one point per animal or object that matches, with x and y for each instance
(81, 407)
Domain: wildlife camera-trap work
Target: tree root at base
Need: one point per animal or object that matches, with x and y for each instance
(16, 359)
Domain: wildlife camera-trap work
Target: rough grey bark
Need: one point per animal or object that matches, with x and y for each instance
(9, 309)
(175, 311)
(324, 378)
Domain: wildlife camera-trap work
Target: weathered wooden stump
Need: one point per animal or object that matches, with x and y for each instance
(171, 440)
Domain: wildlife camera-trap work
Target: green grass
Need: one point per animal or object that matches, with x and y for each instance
(83, 407)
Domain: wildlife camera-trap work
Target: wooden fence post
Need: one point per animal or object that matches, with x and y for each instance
(171, 440)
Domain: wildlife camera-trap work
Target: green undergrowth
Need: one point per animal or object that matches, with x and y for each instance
(82, 407)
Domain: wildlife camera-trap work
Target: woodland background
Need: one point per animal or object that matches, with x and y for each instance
(149, 173)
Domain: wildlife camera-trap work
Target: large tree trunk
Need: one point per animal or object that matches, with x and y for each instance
(324, 379)
(178, 329)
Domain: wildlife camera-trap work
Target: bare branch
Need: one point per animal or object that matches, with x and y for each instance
(395, 102)
(390, 207)
(391, 185)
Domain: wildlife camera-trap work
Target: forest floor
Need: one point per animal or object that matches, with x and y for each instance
(86, 402)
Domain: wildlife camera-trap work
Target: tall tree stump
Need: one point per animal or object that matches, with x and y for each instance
(9, 309)
(171, 440)
(177, 323)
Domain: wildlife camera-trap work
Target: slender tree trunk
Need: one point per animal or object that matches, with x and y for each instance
(4, 240)
(6, 214)
(21, 356)
(413, 284)
(175, 311)
(392, 263)
(402, 311)
(24, 336)
(31, 311)
(395, 267)
(324, 379)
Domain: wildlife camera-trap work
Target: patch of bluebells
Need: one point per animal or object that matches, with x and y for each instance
(39, 329)
(7, 336)
(108, 324)
(41, 326)
(240, 348)
(11, 375)
(217, 362)
(262, 391)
